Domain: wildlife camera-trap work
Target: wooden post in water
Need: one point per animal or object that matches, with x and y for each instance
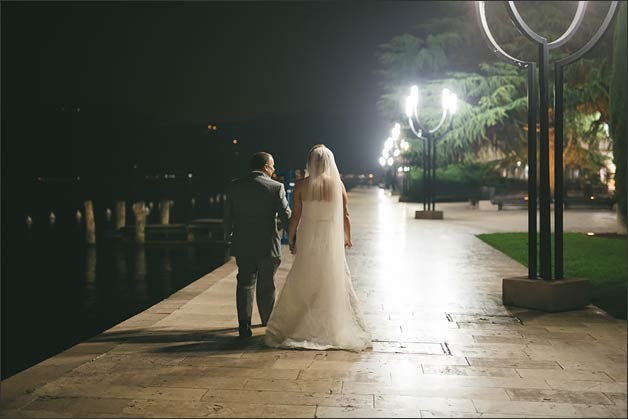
(120, 264)
(120, 215)
(140, 221)
(90, 224)
(164, 208)
(140, 273)
(166, 275)
(90, 276)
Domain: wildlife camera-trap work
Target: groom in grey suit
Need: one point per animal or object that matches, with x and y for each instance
(253, 203)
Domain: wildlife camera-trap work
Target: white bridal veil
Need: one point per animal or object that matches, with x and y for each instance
(324, 179)
(317, 307)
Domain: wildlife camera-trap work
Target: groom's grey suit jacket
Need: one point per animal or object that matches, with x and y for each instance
(249, 222)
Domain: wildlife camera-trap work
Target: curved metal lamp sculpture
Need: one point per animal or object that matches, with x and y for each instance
(545, 250)
(429, 138)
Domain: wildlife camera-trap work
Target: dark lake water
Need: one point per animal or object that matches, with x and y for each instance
(57, 291)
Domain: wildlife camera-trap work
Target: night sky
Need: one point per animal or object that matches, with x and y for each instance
(149, 77)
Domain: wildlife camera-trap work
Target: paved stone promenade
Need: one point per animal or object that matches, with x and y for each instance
(444, 345)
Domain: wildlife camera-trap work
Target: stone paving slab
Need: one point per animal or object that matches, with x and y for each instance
(443, 343)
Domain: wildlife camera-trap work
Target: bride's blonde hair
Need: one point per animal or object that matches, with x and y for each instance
(322, 174)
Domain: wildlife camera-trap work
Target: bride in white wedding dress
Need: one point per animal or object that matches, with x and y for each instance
(318, 308)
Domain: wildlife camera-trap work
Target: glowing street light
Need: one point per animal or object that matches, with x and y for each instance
(449, 105)
(393, 147)
(396, 130)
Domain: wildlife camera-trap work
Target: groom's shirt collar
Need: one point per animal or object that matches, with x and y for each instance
(260, 172)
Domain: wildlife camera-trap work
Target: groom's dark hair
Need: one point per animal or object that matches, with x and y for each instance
(259, 160)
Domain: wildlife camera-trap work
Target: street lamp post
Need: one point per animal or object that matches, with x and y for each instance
(430, 137)
(528, 292)
(390, 151)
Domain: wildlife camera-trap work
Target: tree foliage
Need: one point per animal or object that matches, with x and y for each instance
(618, 110)
(493, 95)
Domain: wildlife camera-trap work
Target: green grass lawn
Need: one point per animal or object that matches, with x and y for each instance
(599, 259)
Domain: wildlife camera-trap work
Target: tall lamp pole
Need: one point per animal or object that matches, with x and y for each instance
(545, 268)
(390, 151)
(573, 293)
(430, 137)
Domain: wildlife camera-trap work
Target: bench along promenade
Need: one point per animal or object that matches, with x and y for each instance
(443, 343)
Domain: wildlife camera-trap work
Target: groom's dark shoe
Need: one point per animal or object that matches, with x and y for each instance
(245, 332)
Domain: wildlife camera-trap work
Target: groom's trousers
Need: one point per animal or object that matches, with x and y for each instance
(254, 271)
